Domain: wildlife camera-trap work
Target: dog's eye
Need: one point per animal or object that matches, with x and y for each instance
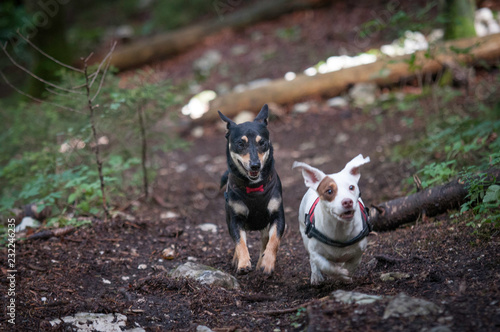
(329, 191)
(351, 187)
(241, 145)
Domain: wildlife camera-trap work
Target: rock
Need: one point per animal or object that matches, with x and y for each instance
(208, 227)
(203, 328)
(124, 32)
(341, 138)
(27, 222)
(209, 60)
(168, 253)
(86, 321)
(301, 107)
(337, 102)
(355, 297)
(391, 276)
(197, 132)
(363, 94)
(169, 214)
(122, 215)
(403, 305)
(239, 49)
(142, 267)
(205, 275)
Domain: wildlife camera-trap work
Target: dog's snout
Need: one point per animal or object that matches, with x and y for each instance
(255, 166)
(347, 203)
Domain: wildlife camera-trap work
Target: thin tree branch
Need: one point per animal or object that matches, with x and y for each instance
(4, 48)
(102, 79)
(34, 98)
(105, 60)
(94, 134)
(48, 56)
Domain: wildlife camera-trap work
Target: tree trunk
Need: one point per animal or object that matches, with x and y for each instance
(432, 201)
(161, 46)
(459, 19)
(48, 33)
(383, 72)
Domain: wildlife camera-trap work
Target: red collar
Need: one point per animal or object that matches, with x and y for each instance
(257, 189)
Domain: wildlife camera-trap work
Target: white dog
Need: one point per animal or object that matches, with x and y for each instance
(333, 222)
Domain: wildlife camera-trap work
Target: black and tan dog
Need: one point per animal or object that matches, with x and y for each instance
(253, 195)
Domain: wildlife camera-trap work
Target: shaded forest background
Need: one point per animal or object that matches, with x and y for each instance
(110, 158)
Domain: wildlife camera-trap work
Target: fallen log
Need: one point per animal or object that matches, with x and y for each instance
(386, 71)
(432, 201)
(163, 45)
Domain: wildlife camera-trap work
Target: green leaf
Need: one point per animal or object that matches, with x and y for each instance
(72, 197)
(492, 194)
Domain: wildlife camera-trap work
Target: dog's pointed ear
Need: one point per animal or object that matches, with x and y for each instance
(227, 120)
(312, 176)
(352, 167)
(263, 115)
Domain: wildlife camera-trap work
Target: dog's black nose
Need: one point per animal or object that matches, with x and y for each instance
(255, 166)
(347, 203)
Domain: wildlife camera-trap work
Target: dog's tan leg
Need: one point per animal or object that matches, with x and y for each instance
(241, 256)
(268, 259)
(264, 239)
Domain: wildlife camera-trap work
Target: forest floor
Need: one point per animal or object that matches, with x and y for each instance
(118, 267)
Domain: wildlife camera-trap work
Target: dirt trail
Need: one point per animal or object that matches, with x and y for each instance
(98, 269)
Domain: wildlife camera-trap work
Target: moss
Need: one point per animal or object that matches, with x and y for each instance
(459, 16)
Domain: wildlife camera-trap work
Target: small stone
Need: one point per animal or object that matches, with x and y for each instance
(169, 215)
(363, 94)
(239, 49)
(207, 227)
(168, 253)
(209, 60)
(337, 102)
(142, 267)
(355, 297)
(205, 275)
(197, 132)
(27, 222)
(203, 328)
(391, 276)
(403, 305)
(301, 107)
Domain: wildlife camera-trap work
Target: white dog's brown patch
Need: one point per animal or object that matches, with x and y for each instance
(327, 189)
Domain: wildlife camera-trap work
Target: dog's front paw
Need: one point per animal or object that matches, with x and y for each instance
(244, 269)
(343, 275)
(266, 263)
(317, 279)
(243, 266)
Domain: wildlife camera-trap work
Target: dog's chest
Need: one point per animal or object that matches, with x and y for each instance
(341, 255)
(256, 207)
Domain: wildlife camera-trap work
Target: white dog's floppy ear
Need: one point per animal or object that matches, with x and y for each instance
(312, 176)
(353, 166)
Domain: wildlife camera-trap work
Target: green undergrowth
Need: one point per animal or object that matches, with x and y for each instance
(48, 159)
(460, 140)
